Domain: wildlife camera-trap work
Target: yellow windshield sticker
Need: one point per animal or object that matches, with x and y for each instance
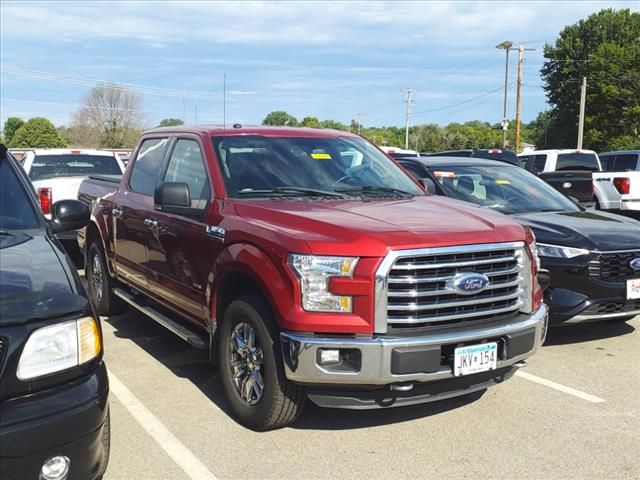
(503, 182)
(321, 156)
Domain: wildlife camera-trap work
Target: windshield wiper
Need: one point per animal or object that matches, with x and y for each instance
(297, 190)
(374, 189)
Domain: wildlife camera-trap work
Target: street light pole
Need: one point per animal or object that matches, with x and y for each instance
(506, 45)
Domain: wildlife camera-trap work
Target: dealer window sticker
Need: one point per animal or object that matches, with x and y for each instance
(321, 156)
(503, 182)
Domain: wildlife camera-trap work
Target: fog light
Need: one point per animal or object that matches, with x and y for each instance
(56, 468)
(329, 357)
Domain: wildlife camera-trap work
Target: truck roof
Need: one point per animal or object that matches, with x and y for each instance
(555, 150)
(71, 151)
(267, 131)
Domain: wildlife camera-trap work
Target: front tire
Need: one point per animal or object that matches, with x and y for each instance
(100, 284)
(251, 367)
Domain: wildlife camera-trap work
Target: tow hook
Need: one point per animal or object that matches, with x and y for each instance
(401, 387)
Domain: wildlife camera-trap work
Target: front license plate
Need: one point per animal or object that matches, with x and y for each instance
(633, 288)
(475, 358)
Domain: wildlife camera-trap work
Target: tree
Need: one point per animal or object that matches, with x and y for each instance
(604, 48)
(113, 112)
(280, 118)
(11, 125)
(37, 132)
(170, 122)
(311, 122)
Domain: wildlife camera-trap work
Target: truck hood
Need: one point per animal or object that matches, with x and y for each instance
(34, 284)
(590, 229)
(371, 227)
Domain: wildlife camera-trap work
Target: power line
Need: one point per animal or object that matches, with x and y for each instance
(446, 107)
(77, 80)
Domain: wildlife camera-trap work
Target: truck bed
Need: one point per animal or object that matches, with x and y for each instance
(572, 183)
(98, 186)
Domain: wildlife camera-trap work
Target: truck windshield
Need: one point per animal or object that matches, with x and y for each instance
(578, 161)
(508, 189)
(72, 165)
(16, 209)
(258, 166)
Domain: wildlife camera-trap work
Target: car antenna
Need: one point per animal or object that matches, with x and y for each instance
(224, 103)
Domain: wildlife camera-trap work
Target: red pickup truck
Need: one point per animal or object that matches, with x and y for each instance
(311, 266)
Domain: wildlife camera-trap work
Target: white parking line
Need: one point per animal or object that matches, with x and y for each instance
(559, 387)
(180, 454)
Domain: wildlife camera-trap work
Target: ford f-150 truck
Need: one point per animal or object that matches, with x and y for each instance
(311, 266)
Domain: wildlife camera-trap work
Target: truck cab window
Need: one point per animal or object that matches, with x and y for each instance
(186, 165)
(147, 163)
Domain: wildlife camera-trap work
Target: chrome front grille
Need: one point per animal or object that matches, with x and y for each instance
(417, 288)
(614, 266)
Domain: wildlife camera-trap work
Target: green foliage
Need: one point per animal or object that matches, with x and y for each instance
(311, 122)
(280, 118)
(170, 122)
(604, 48)
(11, 125)
(37, 132)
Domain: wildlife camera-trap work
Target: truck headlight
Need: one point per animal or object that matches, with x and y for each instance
(558, 251)
(314, 273)
(59, 347)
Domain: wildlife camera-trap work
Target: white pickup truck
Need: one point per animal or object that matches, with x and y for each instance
(617, 187)
(56, 174)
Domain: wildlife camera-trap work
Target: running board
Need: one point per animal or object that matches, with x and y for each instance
(189, 334)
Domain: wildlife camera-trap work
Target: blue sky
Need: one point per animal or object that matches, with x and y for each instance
(332, 60)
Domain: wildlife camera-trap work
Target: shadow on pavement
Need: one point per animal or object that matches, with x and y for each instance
(587, 332)
(194, 365)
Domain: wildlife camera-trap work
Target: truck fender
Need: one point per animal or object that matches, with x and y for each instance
(247, 262)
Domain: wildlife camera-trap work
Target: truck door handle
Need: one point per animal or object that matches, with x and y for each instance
(117, 212)
(148, 222)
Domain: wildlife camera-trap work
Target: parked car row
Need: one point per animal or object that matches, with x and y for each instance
(309, 264)
(593, 257)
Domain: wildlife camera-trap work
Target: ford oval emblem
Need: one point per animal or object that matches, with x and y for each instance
(567, 185)
(635, 263)
(470, 283)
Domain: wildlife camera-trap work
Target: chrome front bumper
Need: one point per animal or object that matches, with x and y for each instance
(301, 352)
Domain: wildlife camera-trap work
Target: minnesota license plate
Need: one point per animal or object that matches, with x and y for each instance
(633, 288)
(475, 359)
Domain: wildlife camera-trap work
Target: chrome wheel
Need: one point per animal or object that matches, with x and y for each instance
(97, 277)
(245, 359)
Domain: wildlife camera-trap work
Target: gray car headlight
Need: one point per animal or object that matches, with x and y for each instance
(558, 251)
(314, 273)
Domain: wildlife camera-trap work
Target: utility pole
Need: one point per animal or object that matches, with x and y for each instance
(358, 122)
(521, 51)
(408, 99)
(583, 99)
(506, 46)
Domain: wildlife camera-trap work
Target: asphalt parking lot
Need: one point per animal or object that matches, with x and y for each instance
(574, 414)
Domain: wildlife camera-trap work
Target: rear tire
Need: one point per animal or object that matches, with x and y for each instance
(100, 284)
(251, 367)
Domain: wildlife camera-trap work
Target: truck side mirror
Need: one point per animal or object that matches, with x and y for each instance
(429, 185)
(68, 215)
(172, 197)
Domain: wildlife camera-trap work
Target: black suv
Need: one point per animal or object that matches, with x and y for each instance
(593, 256)
(490, 154)
(54, 415)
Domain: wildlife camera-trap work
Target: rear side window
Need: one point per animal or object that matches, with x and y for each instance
(147, 163)
(72, 165)
(626, 162)
(578, 161)
(607, 162)
(537, 163)
(186, 165)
